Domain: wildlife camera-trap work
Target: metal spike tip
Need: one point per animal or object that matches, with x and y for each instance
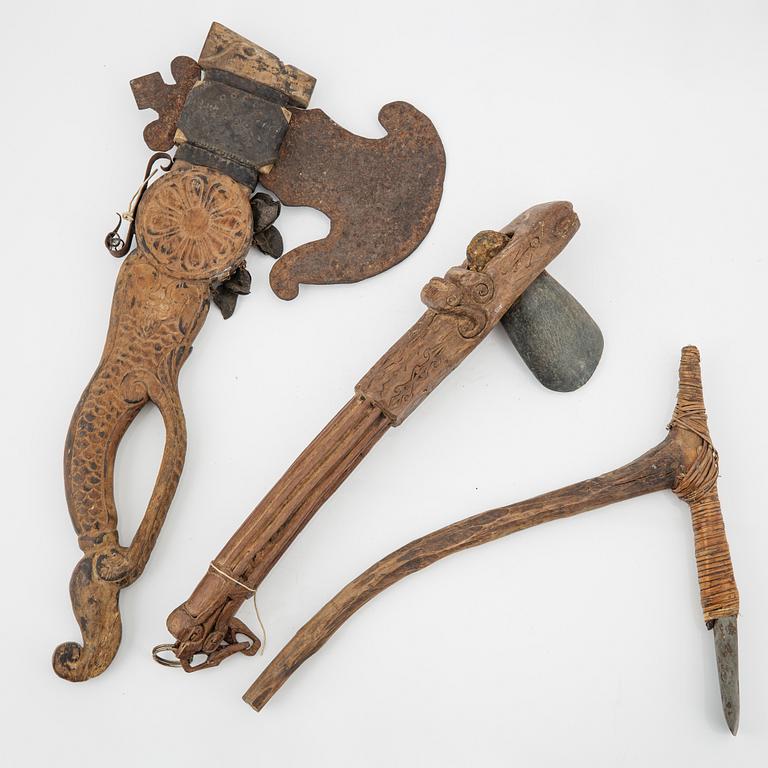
(727, 654)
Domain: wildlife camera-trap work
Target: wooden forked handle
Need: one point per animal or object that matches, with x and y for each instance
(160, 303)
(153, 323)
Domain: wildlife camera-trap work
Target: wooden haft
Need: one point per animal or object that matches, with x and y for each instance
(462, 309)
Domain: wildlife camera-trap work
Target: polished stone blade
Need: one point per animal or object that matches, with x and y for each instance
(727, 654)
(554, 335)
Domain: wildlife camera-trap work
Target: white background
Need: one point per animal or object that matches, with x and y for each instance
(577, 643)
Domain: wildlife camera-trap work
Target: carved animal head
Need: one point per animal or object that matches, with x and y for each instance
(461, 292)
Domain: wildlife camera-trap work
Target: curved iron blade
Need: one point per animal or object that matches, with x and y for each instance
(381, 195)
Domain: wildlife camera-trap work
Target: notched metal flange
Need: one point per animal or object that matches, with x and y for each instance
(151, 92)
(381, 195)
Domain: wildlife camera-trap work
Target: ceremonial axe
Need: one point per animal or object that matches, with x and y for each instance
(238, 117)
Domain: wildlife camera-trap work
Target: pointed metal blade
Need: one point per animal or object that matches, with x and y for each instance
(727, 654)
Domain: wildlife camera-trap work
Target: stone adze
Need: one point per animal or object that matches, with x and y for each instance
(462, 309)
(685, 462)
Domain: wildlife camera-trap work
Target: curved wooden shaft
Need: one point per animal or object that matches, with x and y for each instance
(161, 300)
(674, 464)
(654, 471)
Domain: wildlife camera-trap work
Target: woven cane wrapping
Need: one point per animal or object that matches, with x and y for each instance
(698, 487)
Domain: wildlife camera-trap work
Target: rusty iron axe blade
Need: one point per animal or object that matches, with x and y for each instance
(381, 195)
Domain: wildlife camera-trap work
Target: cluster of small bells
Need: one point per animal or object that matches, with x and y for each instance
(266, 238)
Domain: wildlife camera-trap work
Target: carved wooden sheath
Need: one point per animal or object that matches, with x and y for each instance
(194, 227)
(462, 309)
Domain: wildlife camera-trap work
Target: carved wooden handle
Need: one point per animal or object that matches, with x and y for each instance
(465, 305)
(462, 309)
(153, 322)
(193, 228)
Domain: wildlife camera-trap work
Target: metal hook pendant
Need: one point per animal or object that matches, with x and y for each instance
(114, 242)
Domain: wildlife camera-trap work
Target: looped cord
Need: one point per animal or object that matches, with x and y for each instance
(255, 606)
(701, 476)
(690, 414)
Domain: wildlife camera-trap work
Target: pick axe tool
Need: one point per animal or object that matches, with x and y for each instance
(685, 463)
(462, 309)
(238, 117)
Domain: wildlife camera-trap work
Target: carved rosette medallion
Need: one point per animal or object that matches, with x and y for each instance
(195, 224)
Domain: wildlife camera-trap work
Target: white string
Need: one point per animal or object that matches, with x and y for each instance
(255, 606)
